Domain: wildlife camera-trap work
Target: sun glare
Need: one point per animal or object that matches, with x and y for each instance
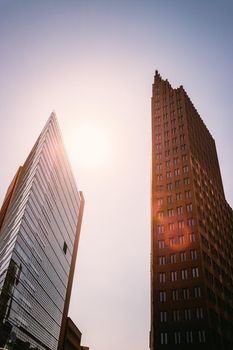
(88, 145)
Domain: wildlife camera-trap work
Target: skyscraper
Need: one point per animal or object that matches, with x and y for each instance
(192, 230)
(40, 224)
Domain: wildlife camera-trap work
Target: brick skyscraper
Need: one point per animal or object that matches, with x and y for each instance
(192, 230)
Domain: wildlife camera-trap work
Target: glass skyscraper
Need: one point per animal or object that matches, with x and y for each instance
(39, 231)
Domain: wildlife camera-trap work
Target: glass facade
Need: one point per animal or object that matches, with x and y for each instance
(36, 246)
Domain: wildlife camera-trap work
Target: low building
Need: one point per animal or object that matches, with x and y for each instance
(72, 339)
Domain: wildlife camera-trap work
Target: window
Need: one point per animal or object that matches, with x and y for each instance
(182, 137)
(184, 157)
(162, 277)
(159, 188)
(187, 314)
(177, 172)
(177, 183)
(189, 207)
(158, 146)
(172, 258)
(158, 137)
(175, 150)
(188, 194)
(208, 261)
(175, 294)
(177, 337)
(197, 292)
(159, 177)
(173, 276)
(167, 153)
(172, 241)
(174, 140)
(160, 214)
(180, 118)
(205, 242)
(186, 181)
(160, 228)
(199, 313)
(195, 272)
(175, 160)
(168, 174)
(65, 247)
(181, 224)
(180, 210)
(189, 337)
(169, 199)
(161, 244)
(190, 222)
(185, 293)
(181, 127)
(201, 336)
(185, 169)
(157, 105)
(184, 274)
(163, 316)
(169, 187)
(176, 315)
(162, 296)
(178, 196)
(161, 260)
(170, 212)
(159, 156)
(211, 294)
(160, 201)
(159, 166)
(166, 143)
(183, 147)
(167, 163)
(192, 237)
(181, 239)
(193, 254)
(163, 338)
(171, 226)
(183, 256)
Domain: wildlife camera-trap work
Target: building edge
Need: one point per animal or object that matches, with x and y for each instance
(8, 196)
(71, 275)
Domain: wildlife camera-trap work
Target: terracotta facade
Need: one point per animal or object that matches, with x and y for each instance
(191, 231)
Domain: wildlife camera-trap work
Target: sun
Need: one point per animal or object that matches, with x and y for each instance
(88, 145)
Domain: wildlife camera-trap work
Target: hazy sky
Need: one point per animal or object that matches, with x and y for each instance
(93, 63)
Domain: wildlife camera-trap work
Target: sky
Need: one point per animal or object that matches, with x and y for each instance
(93, 62)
